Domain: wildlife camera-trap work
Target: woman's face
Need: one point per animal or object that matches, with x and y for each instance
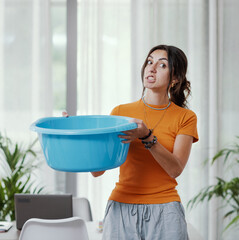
(156, 72)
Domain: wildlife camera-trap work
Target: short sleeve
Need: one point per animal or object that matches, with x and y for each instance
(189, 125)
(115, 111)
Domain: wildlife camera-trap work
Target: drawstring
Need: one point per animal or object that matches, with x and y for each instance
(146, 212)
(133, 210)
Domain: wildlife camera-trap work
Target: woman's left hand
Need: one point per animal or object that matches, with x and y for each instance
(139, 132)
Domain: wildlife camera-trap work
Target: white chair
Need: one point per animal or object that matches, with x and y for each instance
(73, 228)
(81, 208)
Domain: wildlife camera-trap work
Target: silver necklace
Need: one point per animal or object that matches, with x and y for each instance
(169, 103)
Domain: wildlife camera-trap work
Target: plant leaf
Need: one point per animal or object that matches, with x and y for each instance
(19, 164)
(233, 221)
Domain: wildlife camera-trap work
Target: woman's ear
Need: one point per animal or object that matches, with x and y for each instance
(174, 82)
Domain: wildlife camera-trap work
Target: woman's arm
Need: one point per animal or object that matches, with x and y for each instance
(173, 163)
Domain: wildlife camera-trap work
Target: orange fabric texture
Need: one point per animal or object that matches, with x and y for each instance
(142, 180)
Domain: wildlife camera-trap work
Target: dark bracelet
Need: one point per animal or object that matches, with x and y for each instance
(143, 138)
(149, 144)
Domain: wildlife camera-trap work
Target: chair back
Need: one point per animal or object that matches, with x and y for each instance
(73, 228)
(81, 208)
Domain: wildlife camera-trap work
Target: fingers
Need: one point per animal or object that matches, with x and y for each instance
(128, 137)
(128, 141)
(131, 135)
(65, 114)
(130, 132)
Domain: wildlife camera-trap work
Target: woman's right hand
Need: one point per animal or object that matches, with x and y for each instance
(65, 114)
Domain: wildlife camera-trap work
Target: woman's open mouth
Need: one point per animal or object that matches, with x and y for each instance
(150, 79)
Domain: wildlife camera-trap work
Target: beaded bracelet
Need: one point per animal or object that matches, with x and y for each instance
(149, 144)
(143, 138)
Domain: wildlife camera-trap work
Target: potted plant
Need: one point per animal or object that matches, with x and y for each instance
(226, 190)
(17, 165)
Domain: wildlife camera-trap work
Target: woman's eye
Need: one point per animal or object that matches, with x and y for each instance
(149, 62)
(162, 65)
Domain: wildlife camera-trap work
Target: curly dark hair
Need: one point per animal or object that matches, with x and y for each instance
(178, 64)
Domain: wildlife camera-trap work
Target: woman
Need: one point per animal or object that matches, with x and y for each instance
(145, 203)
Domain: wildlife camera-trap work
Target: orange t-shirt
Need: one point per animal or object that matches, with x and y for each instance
(142, 180)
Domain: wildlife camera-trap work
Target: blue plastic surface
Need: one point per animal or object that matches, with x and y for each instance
(83, 143)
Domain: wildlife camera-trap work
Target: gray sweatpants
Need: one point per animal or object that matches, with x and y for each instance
(144, 221)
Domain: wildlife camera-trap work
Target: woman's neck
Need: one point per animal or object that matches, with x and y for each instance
(156, 98)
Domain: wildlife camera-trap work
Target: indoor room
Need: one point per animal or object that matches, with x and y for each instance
(86, 92)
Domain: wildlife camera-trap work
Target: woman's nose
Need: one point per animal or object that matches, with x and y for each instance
(153, 68)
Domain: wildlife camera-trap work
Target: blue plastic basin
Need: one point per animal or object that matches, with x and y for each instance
(83, 143)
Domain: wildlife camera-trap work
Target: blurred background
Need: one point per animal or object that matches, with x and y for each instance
(85, 57)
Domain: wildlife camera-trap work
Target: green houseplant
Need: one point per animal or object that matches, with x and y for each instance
(226, 190)
(16, 165)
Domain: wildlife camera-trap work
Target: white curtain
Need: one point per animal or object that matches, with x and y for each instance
(114, 37)
(228, 86)
(25, 71)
